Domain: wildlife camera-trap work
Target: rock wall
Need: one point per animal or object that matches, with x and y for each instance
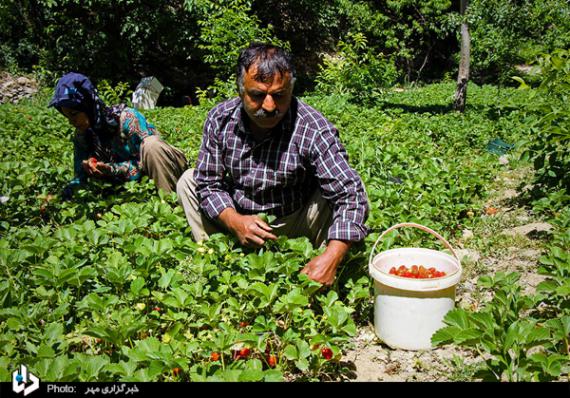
(15, 88)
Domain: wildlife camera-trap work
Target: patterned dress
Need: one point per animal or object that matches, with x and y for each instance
(119, 149)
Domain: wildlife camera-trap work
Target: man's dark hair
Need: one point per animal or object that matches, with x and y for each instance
(270, 60)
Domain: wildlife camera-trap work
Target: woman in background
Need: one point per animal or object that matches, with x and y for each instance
(114, 143)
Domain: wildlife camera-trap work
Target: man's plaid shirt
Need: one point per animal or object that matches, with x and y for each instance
(278, 174)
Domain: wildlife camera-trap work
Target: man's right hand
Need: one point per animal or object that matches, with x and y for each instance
(250, 230)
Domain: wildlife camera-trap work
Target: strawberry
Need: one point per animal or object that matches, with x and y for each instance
(92, 163)
(327, 353)
(272, 361)
(244, 352)
(243, 324)
(214, 357)
(176, 372)
(241, 354)
(417, 272)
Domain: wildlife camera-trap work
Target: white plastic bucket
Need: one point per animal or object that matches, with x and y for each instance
(408, 311)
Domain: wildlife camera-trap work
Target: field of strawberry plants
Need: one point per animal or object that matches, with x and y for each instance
(110, 286)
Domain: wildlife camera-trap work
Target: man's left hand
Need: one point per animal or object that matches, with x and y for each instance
(323, 267)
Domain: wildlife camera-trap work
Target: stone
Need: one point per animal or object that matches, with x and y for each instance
(23, 80)
(528, 228)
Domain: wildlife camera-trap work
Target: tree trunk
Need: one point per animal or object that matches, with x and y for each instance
(463, 76)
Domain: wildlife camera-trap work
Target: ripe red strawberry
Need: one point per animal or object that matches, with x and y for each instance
(417, 272)
(327, 353)
(272, 361)
(243, 324)
(92, 162)
(158, 309)
(214, 357)
(176, 372)
(244, 352)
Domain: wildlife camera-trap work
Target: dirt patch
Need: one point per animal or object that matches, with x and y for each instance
(374, 361)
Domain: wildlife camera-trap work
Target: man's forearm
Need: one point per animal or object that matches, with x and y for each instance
(336, 250)
(227, 218)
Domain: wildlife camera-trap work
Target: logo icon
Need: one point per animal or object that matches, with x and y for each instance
(20, 379)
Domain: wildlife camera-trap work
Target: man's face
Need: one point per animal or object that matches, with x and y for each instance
(266, 103)
(78, 119)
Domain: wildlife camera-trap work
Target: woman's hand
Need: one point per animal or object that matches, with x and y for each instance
(96, 169)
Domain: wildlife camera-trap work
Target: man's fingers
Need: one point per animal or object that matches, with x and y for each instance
(262, 224)
(255, 241)
(268, 235)
(262, 231)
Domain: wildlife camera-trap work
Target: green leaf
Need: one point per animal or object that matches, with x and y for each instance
(53, 333)
(122, 368)
(137, 285)
(251, 375)
(291, 352)
(522, 83)
(457, 317)
(45, 351)
(302, 365)
(514, 335)
(166, 278)
(273, 375)
(303, 349)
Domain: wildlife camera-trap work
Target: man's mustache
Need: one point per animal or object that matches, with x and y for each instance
(263, 114)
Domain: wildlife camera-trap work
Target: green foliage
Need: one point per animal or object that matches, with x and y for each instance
(111, 287)
(508, 338)
(419, 161)
(189, 43)
(113, 40)
(413, 34)
(110, 95)
(356, 71)
(547, 146)
(226, 29)
(507, 33)
(217, 92)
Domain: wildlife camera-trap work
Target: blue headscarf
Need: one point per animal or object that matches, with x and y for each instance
(75, 91)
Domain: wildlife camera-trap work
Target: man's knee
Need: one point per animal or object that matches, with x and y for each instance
(186, 184)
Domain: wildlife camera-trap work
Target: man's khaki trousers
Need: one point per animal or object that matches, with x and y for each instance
(313, 220)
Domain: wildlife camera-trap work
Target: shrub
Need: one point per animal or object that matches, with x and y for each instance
(356, 70)
(547, 147)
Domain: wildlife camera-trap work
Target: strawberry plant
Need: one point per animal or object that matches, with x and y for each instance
(518, 347)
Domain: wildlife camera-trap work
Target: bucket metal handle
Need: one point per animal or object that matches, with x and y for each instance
(411, 224)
